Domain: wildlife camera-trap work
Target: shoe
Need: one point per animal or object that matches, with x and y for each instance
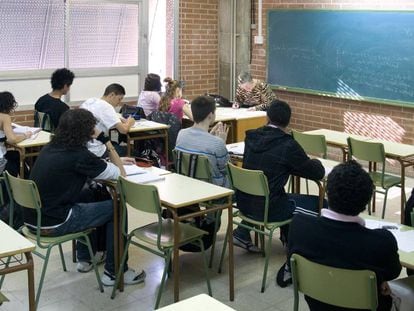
(247, 245)
(130, 278)
(283, 276)
(86, 266)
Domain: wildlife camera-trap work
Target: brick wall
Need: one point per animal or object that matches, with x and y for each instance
(198, 45)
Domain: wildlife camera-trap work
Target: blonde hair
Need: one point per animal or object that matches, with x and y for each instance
(169, 95)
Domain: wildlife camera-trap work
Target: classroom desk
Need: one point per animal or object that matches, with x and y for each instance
(177, 191)
(403, 153)
(13, 244)
(145, 129)
(201, 302)
(30, 147)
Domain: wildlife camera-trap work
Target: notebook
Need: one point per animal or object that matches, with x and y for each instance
(145, 178)
(19, 129)
(133, 170)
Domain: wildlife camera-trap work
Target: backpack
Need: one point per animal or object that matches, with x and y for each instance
(220, 100)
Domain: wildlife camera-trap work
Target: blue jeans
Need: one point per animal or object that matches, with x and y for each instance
(90, 215)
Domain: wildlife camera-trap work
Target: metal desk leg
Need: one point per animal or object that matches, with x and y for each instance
(231, 255)
(30, 281)
(176, 266)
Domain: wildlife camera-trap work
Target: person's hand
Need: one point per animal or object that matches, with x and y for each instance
(128, 161)
(28, 134)
(385, 289)
(251, 108)
(221, 130)
(130, 121)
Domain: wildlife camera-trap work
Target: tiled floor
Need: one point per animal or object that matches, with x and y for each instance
(71, 290)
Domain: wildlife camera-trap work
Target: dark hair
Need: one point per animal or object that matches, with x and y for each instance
(201, 106)
(349, 188)
(75, 129)
(279, 113)
(7, 102)
(152, 82)
(61, 77)
(115, 88)
(171, 87)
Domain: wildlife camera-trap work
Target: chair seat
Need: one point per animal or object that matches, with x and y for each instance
(261, 223)
(389, 180)
(58, 239)
(149, 233)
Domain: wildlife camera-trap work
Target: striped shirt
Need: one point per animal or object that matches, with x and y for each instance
(195, 140)
(260, 96)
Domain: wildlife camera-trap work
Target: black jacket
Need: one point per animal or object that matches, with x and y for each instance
(278, 155)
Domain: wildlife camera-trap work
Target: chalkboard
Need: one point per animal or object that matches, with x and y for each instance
(363, 55)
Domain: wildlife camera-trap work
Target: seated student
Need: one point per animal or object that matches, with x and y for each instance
(149, 98)
(103, 109)
(253, 93)
(339, 238)
(9, 159)
(197, 139)
(51, 103)
(60, 172)
(172, 100)
(273, 150)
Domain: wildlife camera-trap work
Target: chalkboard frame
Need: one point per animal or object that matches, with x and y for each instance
(391, 102)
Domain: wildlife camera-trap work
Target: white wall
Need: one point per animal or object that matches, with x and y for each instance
(27, 92)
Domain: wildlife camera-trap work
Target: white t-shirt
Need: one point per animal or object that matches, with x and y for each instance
(107, 118)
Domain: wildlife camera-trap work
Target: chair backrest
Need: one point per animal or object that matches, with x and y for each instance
(312, 144)
(43, 121)
(252, 182)
(192, 165)
(366, 151)
(339, 287)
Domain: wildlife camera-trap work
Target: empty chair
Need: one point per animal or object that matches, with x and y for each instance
(25, 193)
(374, 153)
(157, 237)
(345, 288)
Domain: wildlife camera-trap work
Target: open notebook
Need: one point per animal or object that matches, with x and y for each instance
(134, 170)
(139, 175)
(20, 129)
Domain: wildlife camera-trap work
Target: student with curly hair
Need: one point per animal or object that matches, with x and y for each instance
(51, 103)
(172, 100)
(9, 160)
(60, 172)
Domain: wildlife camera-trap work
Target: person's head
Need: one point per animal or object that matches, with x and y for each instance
(172, 90)
(7, 102)
(279, 113)
(62, 79)
(114, 94)
(349, 188)
(152, 83)
(75, 129)
(246, 81)
(203, 107)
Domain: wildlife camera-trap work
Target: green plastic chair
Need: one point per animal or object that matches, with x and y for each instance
(356, 289)
(374, 153)
(157, 237)
(198, 167)
(3, 298)
(253, 182)
(25, 193)
(42, 120)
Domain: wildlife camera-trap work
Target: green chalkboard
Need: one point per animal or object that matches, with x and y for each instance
(363, 55)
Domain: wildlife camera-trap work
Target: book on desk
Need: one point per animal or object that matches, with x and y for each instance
(140, 175)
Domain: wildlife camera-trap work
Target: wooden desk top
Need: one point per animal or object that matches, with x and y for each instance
(336, 137)
(146, 125)
(41, 139)
(12, 242)
(393, 149)
(201, 302)
(178, 190)
(226, 114)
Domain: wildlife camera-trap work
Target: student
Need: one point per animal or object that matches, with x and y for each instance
(51, 103)
(60, 172)
(149, 99)
(197, 139)
(9, 160)
(253, 93)
(339, 238)
(273, 150)
(172, 100)
(103, 110)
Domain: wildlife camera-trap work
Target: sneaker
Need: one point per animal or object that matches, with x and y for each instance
(130, 277)
(247, 245)
(283, 276)
(86, 266)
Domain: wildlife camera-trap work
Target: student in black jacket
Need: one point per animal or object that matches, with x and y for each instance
(339, 237)
(274, 151)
